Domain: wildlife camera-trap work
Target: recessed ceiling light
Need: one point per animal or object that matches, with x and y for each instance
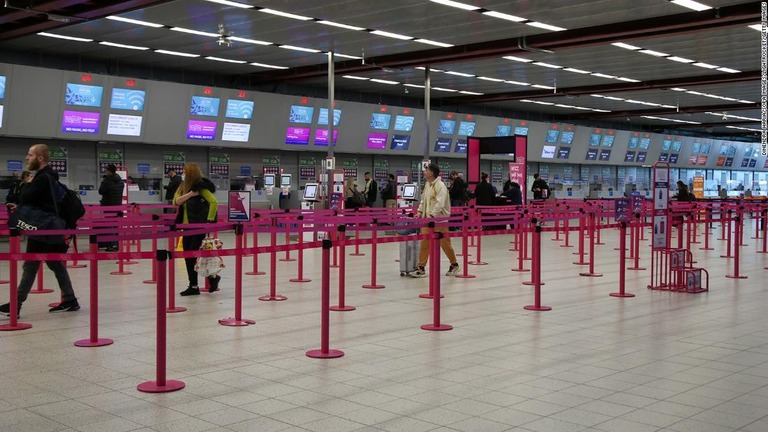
(72, 38)
(470, 93)
(744, 128)
(705, 65)
(485, 78)
(757, 27)
(542, 87)
(518, 59)
(340, 25)
(520, 83)
(231, 3)
(578, 71)
(391, 35)
(381, 81)
(627, 79)
(264, 65)
(176, 53)
(597, 95)
(285, 14)
(355, 77)
(195, 32)
(543, 103)
(504, 16)
(690, 4)
(133, 21)
(118, 45)
(456, 4)
(678, 89)
(347, 56)
(250, 41)
(614, 98)
(602, 75)
(654, 53)
(443, 89)
(729, 70)
(298, 48)
(680, 59)
(462, 74)
(548, 65)
(414, 85)
(435, 43)
(626, 46)
(219, 59)
(545, 26)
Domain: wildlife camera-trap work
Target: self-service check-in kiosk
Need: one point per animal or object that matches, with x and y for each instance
(409, 194)
(310, 197)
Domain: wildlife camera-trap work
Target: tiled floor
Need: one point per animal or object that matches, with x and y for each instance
(658, 362)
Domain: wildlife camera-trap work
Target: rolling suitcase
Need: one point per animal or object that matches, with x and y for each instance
(409, 256)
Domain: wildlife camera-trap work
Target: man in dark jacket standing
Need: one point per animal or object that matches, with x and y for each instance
(170, 190)
(38, 193)
(371, 190)
(111, 191)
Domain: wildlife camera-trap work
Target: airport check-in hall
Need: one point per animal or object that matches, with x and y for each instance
(412, 215)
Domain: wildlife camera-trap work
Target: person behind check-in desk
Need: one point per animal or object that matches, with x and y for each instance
(540, 188)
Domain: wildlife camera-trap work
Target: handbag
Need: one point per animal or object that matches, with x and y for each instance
(29, 218)
(209, 266)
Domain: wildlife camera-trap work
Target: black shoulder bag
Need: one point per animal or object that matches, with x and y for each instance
(31, 218)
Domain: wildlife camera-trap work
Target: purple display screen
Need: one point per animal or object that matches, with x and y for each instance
(321, 137)
(376, 140)
(80, 122)
(299, 136)
(201, 130)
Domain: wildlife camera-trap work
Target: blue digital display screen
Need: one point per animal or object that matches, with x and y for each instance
(563, 152)
(2, 87)
(443, 145)
(466, 128)
(521, 131)
(239, 109)
(608, 140)
(127, 99)
(633, 142)
(301, 114)
(552, 136)
(204, 106)
(461, 145)
(403, 123)
(666, 145)
(380, 121)
(677, 146)
(696, 147)
(446, 127)
(645, 143)
(566, 137)
(594, 139)
(322, 117)
(503, 130)
(83, 95)
(400, 142)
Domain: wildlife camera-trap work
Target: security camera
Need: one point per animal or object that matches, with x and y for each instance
(224, 40)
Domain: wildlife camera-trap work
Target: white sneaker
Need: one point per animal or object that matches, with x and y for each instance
(418, 273)
(453, 270)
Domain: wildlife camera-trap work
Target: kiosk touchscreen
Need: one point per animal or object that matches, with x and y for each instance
(269, 180)
(409, 191)
(285, 180)
(311, 191)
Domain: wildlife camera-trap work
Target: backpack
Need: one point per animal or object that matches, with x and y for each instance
(358, 199)
(71, 209)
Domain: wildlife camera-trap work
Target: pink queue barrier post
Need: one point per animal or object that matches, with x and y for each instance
(121, 271)
(580, 253)
(536, 266)
(465, 251)
(631, 241)
(238, 320)
(40, 289)
(325, 323)
(434, 283)
(535, 277)
(764, 227)
(4, 281)
(696, 222)
(622, 272)
(557, 230)
(300, 255)
(161, 383)
(154, 264)
(342, 306)
(525, 238)
(432, 274)
(335, 238)
(520, 233)
(374, 247)
(479, 243)
(357, 241)
(171, 285)
(287, 242)
(591, 272)
(728, 238)
(637, 237)
(598, 227)
(14, 324)
(707, 223)
(743, 217)
(94, 340)
(567, 232)
(273, 296)
(255, 269)
(74, 261)
(739, 227)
